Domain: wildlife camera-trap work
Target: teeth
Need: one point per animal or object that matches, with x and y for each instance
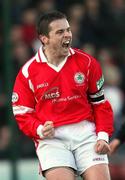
(67, 42)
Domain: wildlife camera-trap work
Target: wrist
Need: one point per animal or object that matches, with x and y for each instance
(39, 131)
(103, 136)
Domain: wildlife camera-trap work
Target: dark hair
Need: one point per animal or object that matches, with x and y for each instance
(45, 20)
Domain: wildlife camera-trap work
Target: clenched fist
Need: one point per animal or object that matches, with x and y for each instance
(102, 147)
(48, 129)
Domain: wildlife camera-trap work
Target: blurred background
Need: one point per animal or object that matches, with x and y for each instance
(98, 27)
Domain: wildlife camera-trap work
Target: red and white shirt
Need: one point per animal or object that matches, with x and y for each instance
(69, 93)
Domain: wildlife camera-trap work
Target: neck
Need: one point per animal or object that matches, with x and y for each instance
(53, 57)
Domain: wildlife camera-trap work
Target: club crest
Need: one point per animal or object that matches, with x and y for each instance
(79, 78)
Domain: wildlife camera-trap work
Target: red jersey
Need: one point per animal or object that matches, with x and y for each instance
(69, 93)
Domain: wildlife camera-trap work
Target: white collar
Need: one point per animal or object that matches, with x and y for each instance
(40, 57)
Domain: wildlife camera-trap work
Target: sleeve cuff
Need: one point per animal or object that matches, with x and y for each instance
(104, 136)
(39, 131)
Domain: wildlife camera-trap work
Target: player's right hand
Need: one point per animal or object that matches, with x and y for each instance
(48, 129)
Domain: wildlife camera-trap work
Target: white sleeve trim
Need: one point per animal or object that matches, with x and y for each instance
(39, 131)
(20, 110)
(103, 135)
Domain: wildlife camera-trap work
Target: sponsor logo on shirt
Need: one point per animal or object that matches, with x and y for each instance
(65, 99)
(79, 78)
(51, 93)
(100, 83)
(15, 97)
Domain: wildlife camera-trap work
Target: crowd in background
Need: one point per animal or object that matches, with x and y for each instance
(98, 27)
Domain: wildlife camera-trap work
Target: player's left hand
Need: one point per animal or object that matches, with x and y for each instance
(102, 147)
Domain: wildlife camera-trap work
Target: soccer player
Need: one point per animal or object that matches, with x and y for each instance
(118, 140)
(58, 101)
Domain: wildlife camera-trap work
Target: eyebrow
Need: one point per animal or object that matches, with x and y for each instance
(63, 29)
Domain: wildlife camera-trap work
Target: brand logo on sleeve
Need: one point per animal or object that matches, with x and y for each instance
(15, 97)
(79, 78)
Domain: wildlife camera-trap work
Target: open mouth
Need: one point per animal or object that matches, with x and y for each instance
(66, 44)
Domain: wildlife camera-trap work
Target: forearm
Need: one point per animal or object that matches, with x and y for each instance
(103, 118)
(28, 124)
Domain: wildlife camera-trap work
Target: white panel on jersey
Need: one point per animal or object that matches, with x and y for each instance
(26, 66)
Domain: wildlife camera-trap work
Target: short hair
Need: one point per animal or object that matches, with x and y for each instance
(45, 20)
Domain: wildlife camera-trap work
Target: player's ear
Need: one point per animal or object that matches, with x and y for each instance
(43, 39)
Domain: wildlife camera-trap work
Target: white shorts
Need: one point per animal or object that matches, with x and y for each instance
(72, 146)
